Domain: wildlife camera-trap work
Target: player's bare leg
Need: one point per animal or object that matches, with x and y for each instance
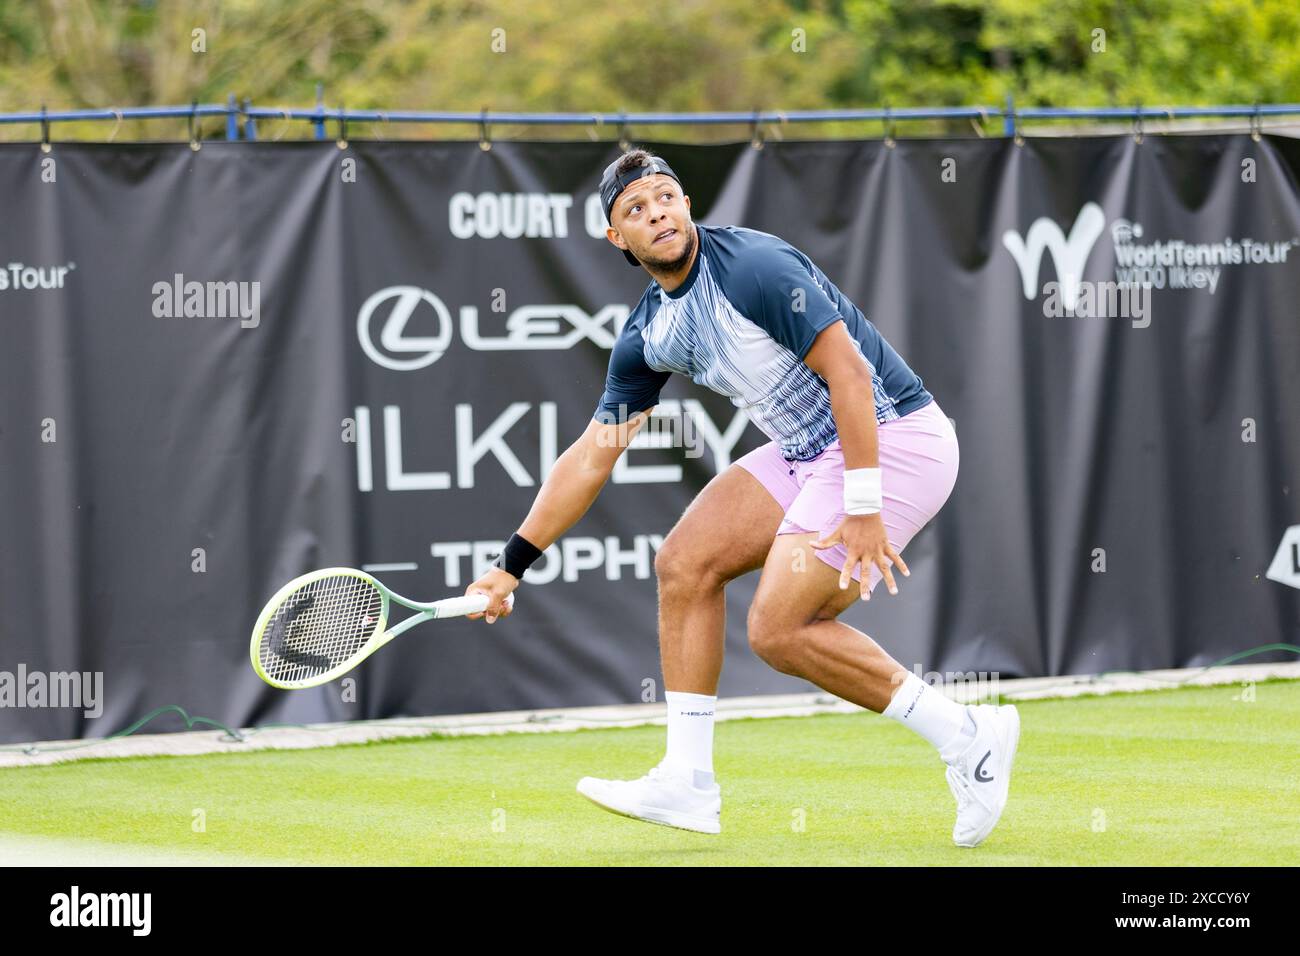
(727, 531)
(792, 626)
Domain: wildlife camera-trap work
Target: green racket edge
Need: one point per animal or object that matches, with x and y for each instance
(427, 611)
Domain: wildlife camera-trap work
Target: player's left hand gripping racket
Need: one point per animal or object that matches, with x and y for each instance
(324, 623)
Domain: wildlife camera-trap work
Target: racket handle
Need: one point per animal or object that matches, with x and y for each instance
(468, 604)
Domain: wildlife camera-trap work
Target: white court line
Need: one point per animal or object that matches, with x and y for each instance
(625, 715)
(26, 850)
(400, 566)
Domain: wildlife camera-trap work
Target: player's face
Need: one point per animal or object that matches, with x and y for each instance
(654, 219)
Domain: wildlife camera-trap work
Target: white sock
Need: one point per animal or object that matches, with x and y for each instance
(945, 723)
(690, 731)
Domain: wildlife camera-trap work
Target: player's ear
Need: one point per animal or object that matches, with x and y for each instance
(612, 235)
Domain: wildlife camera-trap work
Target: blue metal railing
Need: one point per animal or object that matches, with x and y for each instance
(241, 119)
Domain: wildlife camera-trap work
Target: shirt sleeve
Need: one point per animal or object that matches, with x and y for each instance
(785, 298)
(631, 385)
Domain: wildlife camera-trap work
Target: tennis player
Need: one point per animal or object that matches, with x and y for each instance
(861, 457)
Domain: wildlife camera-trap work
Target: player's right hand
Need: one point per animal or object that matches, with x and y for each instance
(497, 585)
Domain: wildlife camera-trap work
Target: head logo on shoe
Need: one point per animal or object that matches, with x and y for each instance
(979, 769)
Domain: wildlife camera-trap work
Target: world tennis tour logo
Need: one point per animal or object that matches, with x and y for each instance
(75, 908)
(180, 299)
(18, 275)
(1141, 264)
(36, 689)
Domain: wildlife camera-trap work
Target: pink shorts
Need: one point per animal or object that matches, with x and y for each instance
(918, 468)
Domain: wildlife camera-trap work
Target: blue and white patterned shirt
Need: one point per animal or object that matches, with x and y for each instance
(735, 326)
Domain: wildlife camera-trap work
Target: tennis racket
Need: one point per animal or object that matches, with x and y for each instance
(324, 623)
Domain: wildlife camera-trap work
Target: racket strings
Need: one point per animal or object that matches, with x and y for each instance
(320, 626)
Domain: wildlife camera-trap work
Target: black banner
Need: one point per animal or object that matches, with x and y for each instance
(226, 367)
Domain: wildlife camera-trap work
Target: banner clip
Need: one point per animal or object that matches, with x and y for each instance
(1137, 126)
(343, 127)
(755, 133)
(45, 130)
(624, 143)
(889, 129)
(1256, 123)
(194, 109)
(484, 142)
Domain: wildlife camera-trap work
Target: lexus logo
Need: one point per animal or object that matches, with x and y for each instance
(392, 338)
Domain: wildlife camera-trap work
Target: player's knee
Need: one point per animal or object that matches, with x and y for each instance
(770, 640)
(670, 562)
(677, 566)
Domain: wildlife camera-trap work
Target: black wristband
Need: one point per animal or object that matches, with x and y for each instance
(517, 557)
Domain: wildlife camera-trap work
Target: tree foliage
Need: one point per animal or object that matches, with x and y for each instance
(570, 55)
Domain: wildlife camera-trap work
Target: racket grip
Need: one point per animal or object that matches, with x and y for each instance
(468, 604)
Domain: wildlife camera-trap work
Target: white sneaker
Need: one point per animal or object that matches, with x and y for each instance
(980, 775)
(664, 795)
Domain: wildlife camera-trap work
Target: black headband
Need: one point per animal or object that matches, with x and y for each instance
(612, 184)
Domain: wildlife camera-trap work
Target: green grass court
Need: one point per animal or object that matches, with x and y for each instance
(1175, 777)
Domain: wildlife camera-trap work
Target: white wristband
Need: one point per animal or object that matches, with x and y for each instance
(862, 491)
